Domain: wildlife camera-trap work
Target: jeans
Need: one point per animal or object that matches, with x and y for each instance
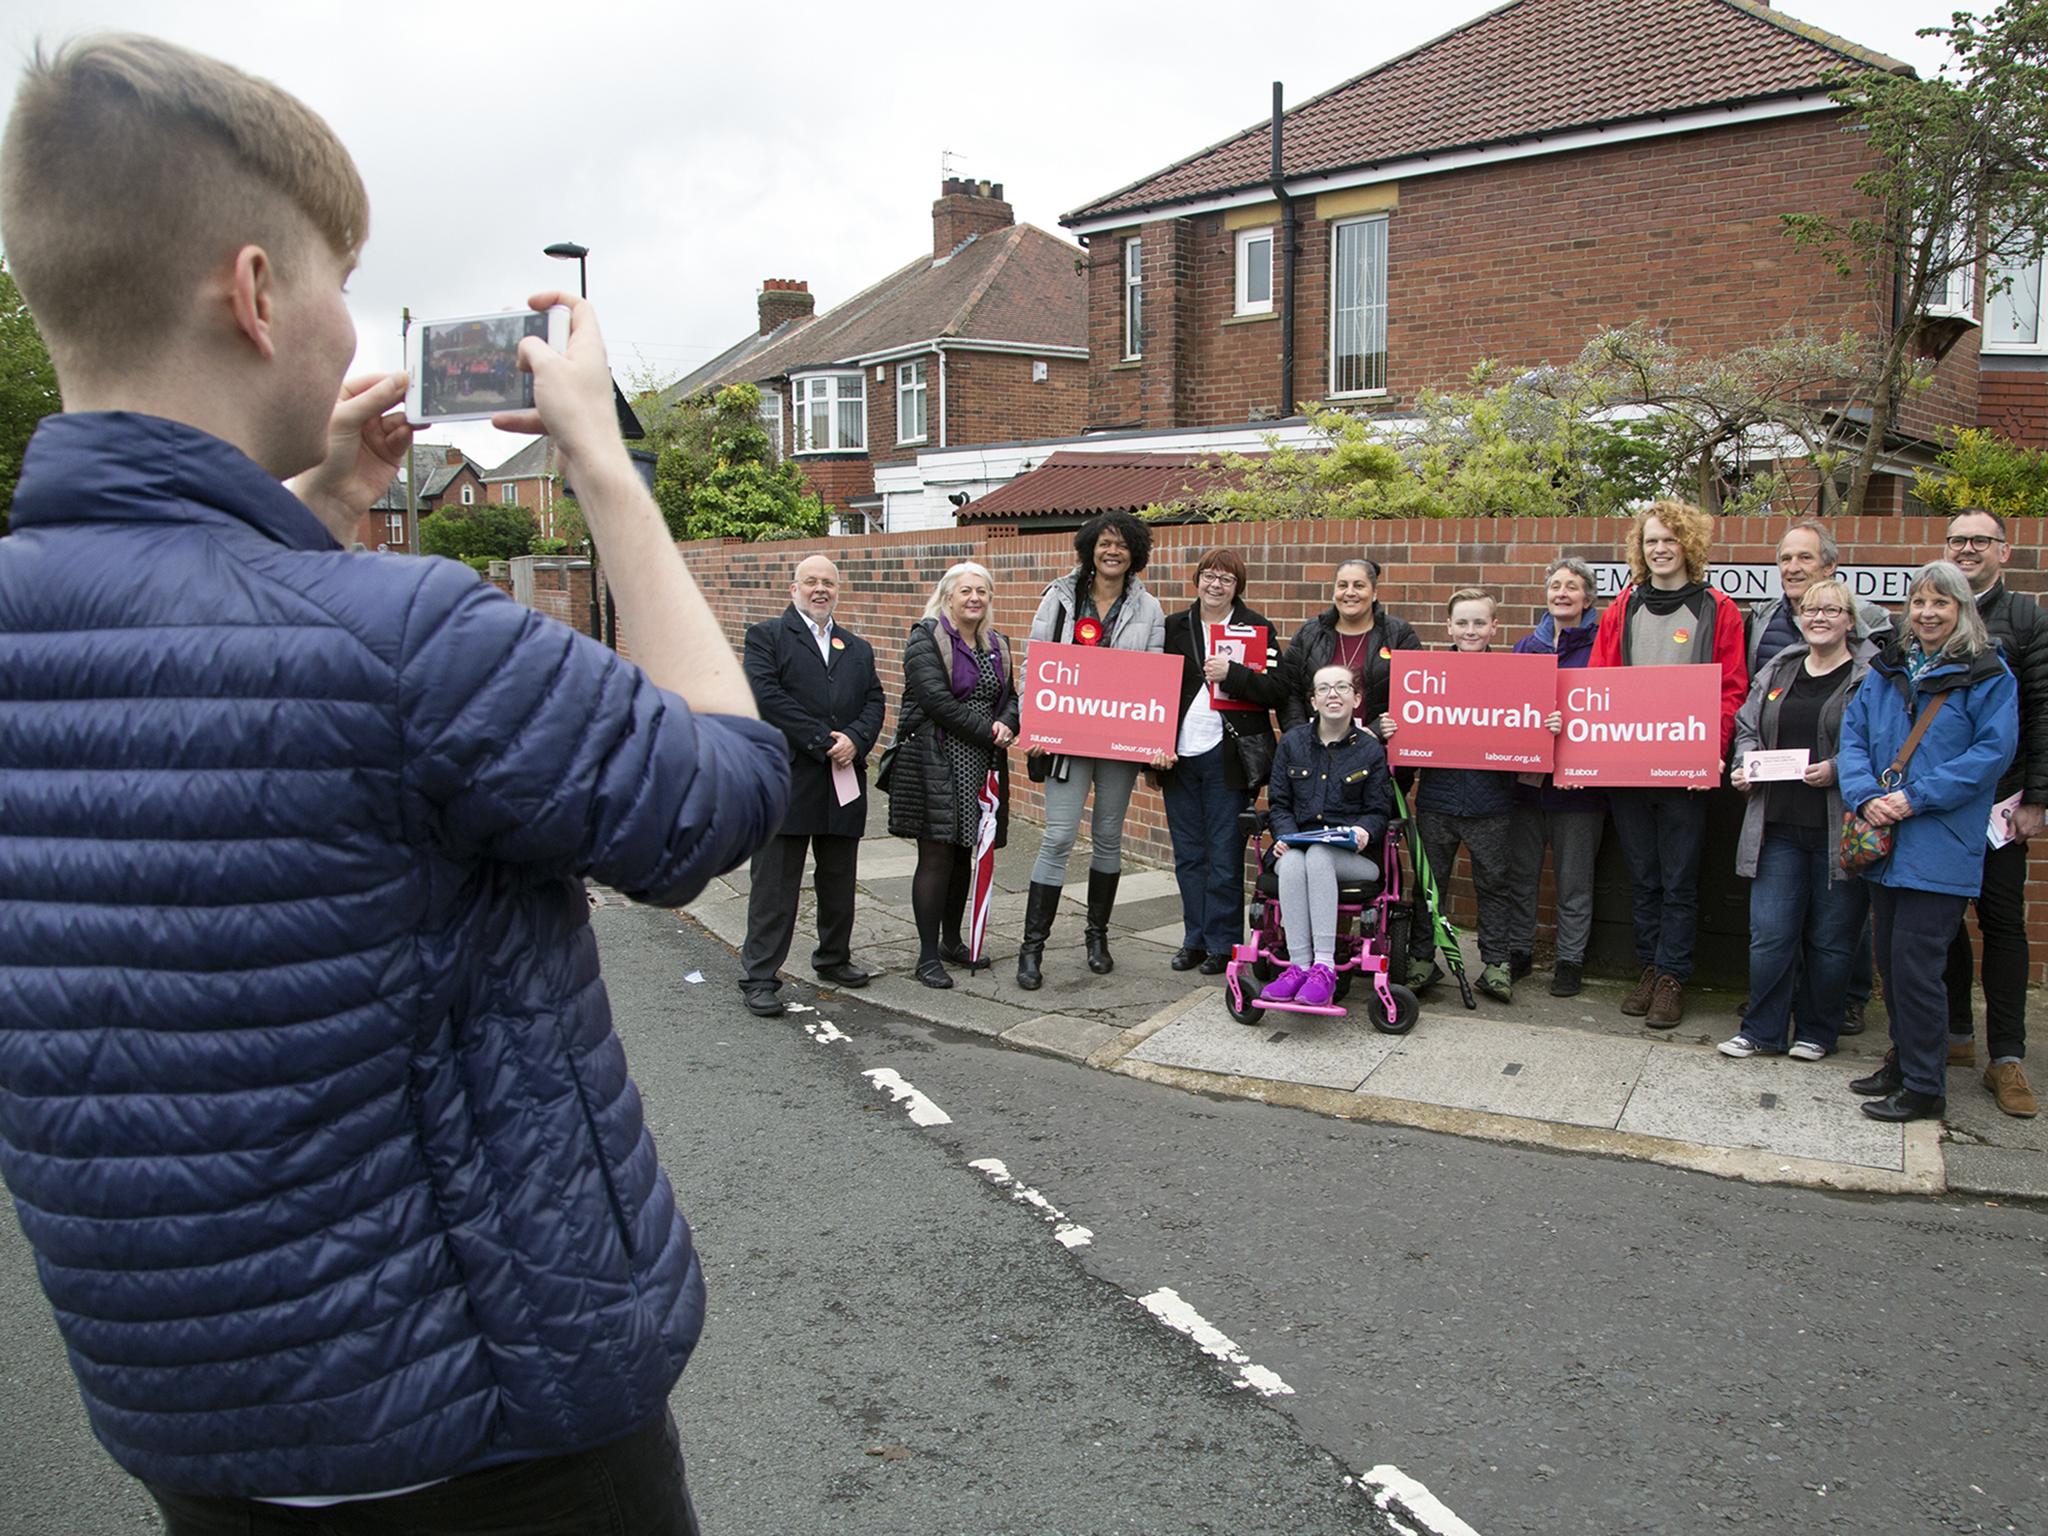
(2002, 920)
(1208, 850)
(1487, 840)
(1113, 783)
(1574, 839)
(1661, 831)
(1803, 927)
(1309, 877)
(632, 1487)
(1914, 931)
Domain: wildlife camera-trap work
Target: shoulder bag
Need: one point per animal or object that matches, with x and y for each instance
(1864, 847)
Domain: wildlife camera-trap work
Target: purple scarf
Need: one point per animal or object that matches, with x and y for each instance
(965, 672)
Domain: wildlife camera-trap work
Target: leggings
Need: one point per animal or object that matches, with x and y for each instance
(1309, 878)
(1113, 783)
(938, 894)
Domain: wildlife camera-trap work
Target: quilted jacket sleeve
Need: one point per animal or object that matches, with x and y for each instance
(532, 744)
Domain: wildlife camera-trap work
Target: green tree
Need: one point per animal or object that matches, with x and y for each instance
(717, 475)
(28, 386)
(571, 531)
(478, 535)
(1958, 180)
(1978, 470)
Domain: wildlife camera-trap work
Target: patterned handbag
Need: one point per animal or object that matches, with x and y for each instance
(1864, 847)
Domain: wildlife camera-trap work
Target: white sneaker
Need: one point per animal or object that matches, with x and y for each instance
(1741, 1047)
(1805, 1050)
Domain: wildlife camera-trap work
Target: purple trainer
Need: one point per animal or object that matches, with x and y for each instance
(1318, 989)
(1282, 988)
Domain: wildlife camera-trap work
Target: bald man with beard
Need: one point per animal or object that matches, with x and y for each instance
(815, 680)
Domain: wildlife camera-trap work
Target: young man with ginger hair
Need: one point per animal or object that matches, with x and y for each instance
(310, 1101)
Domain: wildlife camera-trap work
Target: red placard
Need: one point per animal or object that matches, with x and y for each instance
(1472, 709)
(1091, 701)
(1244, 644)
(1654, 727)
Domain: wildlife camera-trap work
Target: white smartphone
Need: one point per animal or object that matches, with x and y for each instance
(467, 368)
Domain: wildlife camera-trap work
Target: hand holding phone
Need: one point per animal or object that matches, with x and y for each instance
(468, 368)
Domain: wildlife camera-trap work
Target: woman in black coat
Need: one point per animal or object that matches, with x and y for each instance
(1220, 758)
(1355, 632)
(958, 718)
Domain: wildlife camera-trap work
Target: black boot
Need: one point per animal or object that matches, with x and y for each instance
(1040, 907)
(1101, 902)
(1888, 1079)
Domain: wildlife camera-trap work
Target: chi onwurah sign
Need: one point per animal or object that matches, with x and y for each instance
(1090, 701)
(1640, 726)
(1472, 709)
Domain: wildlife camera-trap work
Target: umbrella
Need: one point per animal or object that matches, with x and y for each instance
(984, 888)
(1442, 928)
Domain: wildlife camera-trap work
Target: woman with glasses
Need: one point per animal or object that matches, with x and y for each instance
(1938, 810)
(1100, 602)
(1221, 757)
(1805, 914)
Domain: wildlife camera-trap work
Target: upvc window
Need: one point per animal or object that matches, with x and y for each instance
(1358, 307)
(1134, 299)
(1255, 271)
(771, 422)
(469, 495)
(394, 534)
(831, 413)
(509, 491)
(911, 417)
(1956, 293)
(2012, 317)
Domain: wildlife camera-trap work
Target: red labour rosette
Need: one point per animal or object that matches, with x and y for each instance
(1088, 632)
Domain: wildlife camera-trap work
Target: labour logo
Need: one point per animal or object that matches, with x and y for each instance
(1088, 632)
(1680, 636)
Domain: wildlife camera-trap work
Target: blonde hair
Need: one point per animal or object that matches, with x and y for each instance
(1835, 587)
(1694, 530)
(133, 167)
(942, 595)
(1472, 595)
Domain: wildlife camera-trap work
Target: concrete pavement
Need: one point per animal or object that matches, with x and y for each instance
(1573, 1074)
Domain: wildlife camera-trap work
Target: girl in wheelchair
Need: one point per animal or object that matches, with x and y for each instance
(1328, 776)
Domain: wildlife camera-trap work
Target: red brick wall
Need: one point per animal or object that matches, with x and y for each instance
(991, 398)
(1522, 262)
(563, 593)
(838, 477)
(2016, 404)
(887, 578)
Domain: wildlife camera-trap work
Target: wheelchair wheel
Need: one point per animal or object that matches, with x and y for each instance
(1400, 925)
(1406, 1010)
(1246, 1012)
(1344, 980)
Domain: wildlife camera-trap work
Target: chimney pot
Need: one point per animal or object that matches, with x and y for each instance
(965, 208)
(783, 299)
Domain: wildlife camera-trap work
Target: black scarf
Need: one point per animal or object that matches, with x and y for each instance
(1661, 602)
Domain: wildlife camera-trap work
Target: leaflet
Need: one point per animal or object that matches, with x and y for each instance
(1786, 764)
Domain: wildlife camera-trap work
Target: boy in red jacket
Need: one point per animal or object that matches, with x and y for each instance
(1668, 615)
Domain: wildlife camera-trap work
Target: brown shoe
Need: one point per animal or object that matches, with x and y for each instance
(1962, 1050)
(1667, 1003)
(2007, 1081)
(1637, 1003)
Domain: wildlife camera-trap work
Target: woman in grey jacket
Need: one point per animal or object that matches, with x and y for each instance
(1101, 602)
(1804, 913)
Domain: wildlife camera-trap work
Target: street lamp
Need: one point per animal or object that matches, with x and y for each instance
(569, 250)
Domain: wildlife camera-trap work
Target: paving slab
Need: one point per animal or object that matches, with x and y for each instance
(1062, 1035)
(1283, 1048)
(1775, 1104)
(2006, 1172)
(1467, 1061)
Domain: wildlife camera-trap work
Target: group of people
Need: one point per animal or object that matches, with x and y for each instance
(1813, 669)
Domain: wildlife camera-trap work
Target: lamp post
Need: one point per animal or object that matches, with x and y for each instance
(603, 622)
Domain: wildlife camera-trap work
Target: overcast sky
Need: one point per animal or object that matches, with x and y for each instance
(697, 148)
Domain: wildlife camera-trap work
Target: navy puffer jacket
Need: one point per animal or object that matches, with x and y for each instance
(310, 1102)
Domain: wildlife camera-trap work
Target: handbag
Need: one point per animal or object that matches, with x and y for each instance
(1254, 755)
(1863, 847)
(885, 765)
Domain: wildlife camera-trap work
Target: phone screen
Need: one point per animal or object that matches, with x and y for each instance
(469, 367)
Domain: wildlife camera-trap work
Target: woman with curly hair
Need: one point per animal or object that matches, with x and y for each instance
(1100, 602)
(1668, 615)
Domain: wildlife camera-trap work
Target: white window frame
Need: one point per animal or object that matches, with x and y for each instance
(468, 495)
(1958, 293)
(836, 393)
(771, 422)
(913, 401)
(1134, 299)
(1248, 267)
(509, 492)
(2023, 273)
(1367, 310)
(394, 530)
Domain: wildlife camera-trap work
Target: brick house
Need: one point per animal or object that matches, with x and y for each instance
(1548, 170)
(444, 475)
(528, 479)
(983, 339)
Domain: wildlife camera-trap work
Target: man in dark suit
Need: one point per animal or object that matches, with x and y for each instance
(815, 680)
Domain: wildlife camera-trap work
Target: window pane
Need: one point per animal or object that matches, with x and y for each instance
(818, 434)
(2014, 319)
(853, 429)
(1258, 271)
(1358, 310)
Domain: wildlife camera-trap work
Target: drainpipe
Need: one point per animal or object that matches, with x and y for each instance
(939, 348)
(1290, 245)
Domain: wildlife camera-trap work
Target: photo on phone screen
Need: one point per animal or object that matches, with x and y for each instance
(470, 367)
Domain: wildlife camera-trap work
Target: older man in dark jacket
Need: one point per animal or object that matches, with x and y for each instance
(1977, 544)
(815, 679)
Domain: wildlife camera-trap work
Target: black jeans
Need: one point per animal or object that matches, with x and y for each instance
(2002, 920)
(1661, 831)
(631, 1487)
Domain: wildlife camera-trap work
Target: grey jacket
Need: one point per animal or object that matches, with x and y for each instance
(1140, 627)
(1873, 623)
(1756, 729)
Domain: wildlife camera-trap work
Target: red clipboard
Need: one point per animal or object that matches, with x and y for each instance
(1241, 643)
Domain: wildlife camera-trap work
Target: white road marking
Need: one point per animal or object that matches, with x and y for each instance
(1067, 1233)
(1166, 1305)
(922, 1110)
(824, 1031)
(1393, 1486)
(798, 1008)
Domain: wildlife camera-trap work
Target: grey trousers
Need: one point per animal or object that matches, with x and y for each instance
(1574, 839)
(1486, 838)
(1309, 878)
(1113, 783)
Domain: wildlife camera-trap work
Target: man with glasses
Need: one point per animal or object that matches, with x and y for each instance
(1977, 545)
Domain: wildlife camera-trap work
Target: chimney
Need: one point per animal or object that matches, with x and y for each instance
(452, 456)
(966, 208)
(784, 299)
